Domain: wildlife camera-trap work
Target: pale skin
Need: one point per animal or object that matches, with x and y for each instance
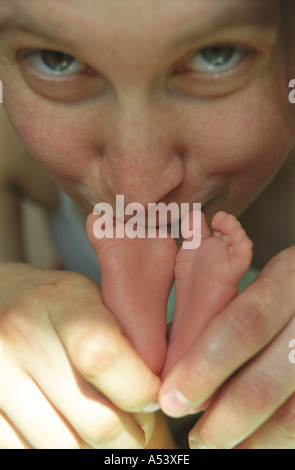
(149, 112)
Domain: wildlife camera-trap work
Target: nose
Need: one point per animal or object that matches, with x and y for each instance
(142, 158)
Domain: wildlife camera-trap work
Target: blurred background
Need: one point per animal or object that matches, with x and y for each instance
(39, 246)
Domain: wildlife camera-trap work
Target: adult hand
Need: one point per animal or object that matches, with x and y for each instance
(68, 376)
(239, 371)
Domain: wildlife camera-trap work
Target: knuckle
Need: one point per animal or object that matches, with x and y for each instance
(17, 321)
(95, 352)
(65, 284)
(61, 285)
(258, 393)
(249, 324)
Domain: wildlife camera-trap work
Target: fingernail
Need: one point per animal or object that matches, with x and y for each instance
(175, 404)
(151, 408)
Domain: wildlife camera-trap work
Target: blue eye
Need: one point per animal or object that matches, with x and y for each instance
(216, 59)
(55, 63)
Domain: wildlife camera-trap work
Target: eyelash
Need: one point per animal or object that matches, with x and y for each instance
(233, 60)
(185, 77)
(214, 83)
(73, 87)
(32, 58)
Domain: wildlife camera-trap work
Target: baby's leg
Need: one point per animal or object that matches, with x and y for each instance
(207, 280)
(137, 276)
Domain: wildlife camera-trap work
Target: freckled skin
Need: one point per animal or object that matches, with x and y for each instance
(182, 147)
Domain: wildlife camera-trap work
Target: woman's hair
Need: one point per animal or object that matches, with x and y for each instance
(288, 23)
(289, 6)
(283, 67)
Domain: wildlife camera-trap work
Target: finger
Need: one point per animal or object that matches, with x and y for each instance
(33, 416)
(232, 338)
(95, 419)
(101, 353)
(10, 438)
(277, 433)
(249, 399)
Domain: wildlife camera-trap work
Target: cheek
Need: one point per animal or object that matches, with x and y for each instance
(58, 140)
(245, 138)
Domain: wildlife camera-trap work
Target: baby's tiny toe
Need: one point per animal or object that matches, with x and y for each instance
(217, 219)
(228, 224)
(243, 249)
(237, 235)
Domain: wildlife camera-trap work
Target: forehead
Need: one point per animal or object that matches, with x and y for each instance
(139, 15)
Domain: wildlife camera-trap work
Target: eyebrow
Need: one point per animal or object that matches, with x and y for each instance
(33, 27)
(13, 18)
(6, 16)
(258, 15)
(244, 13)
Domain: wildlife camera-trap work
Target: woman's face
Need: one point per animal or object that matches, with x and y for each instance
(156, 100)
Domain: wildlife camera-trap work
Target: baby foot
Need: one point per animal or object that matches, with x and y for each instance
(137, 275)
(207, 279)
